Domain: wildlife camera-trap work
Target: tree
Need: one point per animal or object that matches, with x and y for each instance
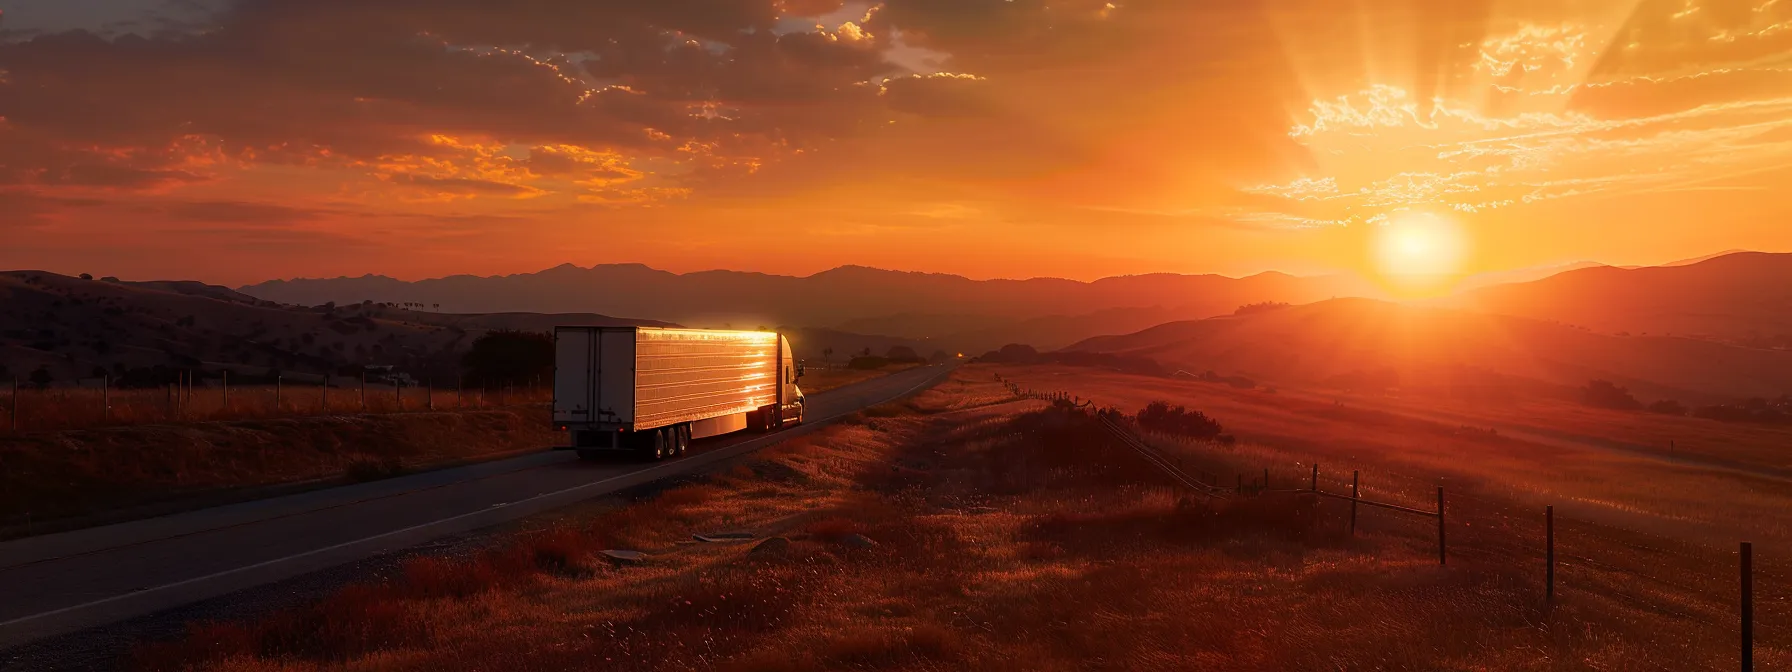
(1606, 394)
(86, 276)
(41, 378)
(902, 354)
(827, 354)
(1162, 417)
(509, 356)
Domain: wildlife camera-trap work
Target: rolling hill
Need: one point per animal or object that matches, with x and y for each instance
(1345, 342)
(1744, 297)
(75, 328)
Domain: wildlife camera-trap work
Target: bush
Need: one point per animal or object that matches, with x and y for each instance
(1162, 417)
(1264, 307)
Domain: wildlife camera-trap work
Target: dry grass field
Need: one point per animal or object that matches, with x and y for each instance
(87, 407)
(968, 530)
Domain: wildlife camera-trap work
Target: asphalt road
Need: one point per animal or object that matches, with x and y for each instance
(71, 581)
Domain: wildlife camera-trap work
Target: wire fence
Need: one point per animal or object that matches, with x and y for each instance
(1656, 573)
(98, 403)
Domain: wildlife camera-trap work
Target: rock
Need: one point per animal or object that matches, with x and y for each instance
(774, 547)
(857, 541)
(620, 557)
(721, 537)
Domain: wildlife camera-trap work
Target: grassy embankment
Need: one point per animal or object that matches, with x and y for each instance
(1004, 537)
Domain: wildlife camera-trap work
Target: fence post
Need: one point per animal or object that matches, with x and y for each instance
(279, 387)
(429, 394)
(1241, 484)
(15, 404)
(1748, 607)
(1315, 486)
(326, 400)
(226, 378)
(1549, 554)
(1266, 478)
(105, 398)
(1354, 474)
(363, 390)
(398, 393)
(1441, 557)
(457, 392)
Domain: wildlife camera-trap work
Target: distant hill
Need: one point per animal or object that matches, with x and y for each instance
(947, 309)
(1358, 342)
(1744, 297)
(76, 329)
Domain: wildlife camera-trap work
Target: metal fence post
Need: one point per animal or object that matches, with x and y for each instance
(1441, 557)
(1748, 607)
(1354, 474)
(1549, 554)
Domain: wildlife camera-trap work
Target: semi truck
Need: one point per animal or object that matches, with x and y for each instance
(652, 391)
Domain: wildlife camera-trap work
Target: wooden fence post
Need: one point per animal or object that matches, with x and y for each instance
(326, 400)
(363, 390)
(1441, 557)
(458, 393)
(1354, 473)
(1549, 554)
(429, 394)
(398, 393)
(105, 398)
(1315, 486)
(279, 388)
(1748, 607)
(15, 404)
(1266, 478)
(226, 378)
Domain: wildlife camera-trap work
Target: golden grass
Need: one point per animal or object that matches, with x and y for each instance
(1008, 537)
(821, 380)
(57, 474)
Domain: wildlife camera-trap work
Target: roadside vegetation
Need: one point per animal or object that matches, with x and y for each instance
(968, 530)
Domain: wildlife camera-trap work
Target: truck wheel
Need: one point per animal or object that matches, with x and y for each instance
(683, 433)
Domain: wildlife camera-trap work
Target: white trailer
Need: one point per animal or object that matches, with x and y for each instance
(655, 390)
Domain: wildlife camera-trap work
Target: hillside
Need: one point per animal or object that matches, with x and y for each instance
(947, 309)
(1353, 342)
(76, 328)
(1744, 297)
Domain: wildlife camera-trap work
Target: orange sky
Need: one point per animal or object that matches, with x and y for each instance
(235, 141)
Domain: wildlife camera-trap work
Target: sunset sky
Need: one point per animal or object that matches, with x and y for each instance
(234, 141)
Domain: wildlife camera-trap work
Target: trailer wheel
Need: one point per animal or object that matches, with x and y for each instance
(662, 445)
(683, 432)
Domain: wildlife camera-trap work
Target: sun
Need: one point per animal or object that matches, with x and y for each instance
(1420, 251)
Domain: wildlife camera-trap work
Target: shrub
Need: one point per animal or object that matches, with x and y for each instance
(1264, 307)
(1162, 417)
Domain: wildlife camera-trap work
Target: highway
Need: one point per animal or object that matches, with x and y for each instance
(62, 583)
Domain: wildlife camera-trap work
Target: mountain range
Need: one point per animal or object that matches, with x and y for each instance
(947, 311)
